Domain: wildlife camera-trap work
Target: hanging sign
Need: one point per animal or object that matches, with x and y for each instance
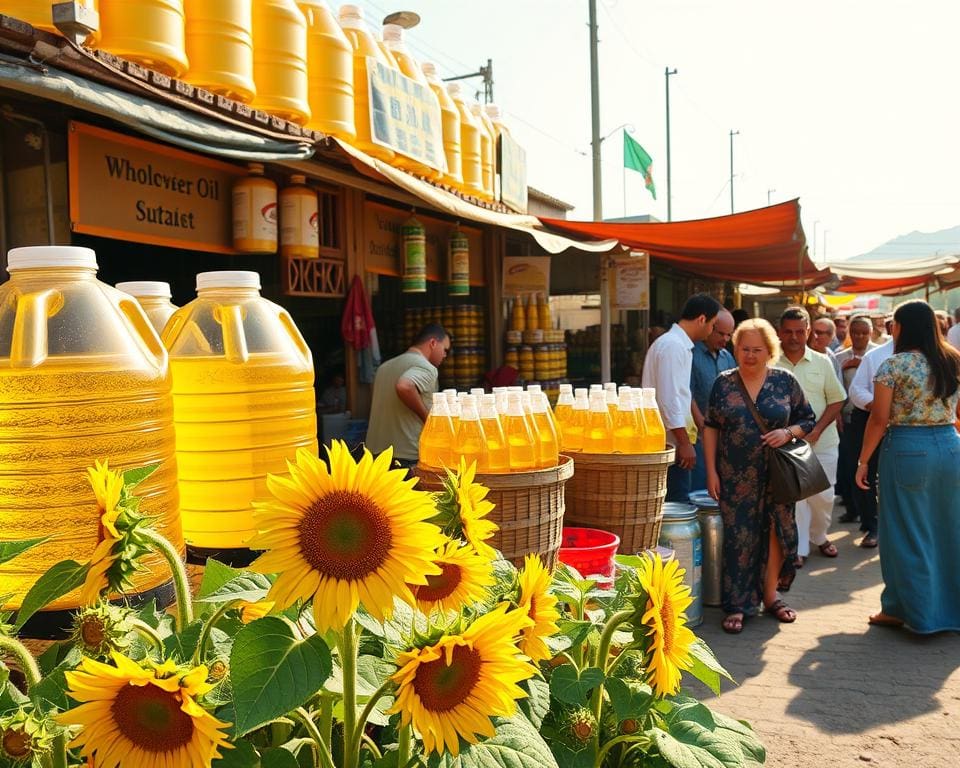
(630, 282)
(405, 115)
(526, 274)
(413, 249)
(134, 190)
(458, 256)
(512, 165)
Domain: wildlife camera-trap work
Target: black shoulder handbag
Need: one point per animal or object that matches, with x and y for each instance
(793, 470)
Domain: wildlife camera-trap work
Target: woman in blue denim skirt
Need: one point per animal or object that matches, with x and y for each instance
(916, 392)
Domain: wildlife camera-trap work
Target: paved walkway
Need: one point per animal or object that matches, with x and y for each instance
(829, 689)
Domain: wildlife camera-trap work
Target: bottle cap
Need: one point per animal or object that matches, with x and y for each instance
(493, 111)
(429, 69)
(453, 89)
(38, 256)
(298, 178)
(350, 16)
(392, 33)
(228, 279)
(145, 288)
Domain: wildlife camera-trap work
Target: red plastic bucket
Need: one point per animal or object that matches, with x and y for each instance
(590, 551)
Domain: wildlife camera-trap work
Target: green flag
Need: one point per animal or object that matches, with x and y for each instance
(636, 158)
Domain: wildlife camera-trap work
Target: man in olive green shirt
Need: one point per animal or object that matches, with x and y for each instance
(402, 392)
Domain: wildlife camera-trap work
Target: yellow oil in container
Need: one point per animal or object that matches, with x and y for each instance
(488, 148)
(243, 402)
(363, 44)
(154, 298)
(470, 149)
(437, 436)
(299, 220)
(39, 14)
(598, 435)
(655, 438)
(450, 124)
(255, 213)
(219, 47)
(149, 32)
(470, 443)
(579, 417)
(83, 376)
(518, 318)
(548, 444)
(543, 313)
(533, 316)
(563, 411)
(329, 73)
(627, 432)
(280, 60)
(521, 449)
(498, 457)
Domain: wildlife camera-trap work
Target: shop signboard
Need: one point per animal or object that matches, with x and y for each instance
(630, 282)
(129, 189)
(512, 163)
(523, 275)
(405, 115)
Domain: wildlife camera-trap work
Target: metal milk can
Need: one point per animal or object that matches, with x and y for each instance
(681, 533)
(711, 532)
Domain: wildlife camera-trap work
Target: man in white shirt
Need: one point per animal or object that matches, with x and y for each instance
(861, 395)
(953, 335)
(667, 369)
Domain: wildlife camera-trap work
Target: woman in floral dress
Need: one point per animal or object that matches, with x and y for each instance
(915, 401)
(760, 536)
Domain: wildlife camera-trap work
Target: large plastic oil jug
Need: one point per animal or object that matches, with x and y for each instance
(149, 32)
(470, 157)
(329, 72)
(83, 376)
(280, 60)
(220, 47)
(488, 149)
(243, 404)
(153, 297)
(39, 14)
(363, 44)
(450, 123)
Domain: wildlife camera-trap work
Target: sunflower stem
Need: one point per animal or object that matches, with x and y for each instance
(347, 642)
(603, 650)
(200, 651)
(12, 647)
(403, 746)
(371, 745)
(362, 721)
(147, 633)
(601, 755)
(303, 717)
(58, 752)
(181, 584)
(326, 716)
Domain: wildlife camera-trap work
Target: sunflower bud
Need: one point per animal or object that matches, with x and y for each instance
(25, 736)
(102, 628)
(629, 726)
(580, 725)
(217, 671)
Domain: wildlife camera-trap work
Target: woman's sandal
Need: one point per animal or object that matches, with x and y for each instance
(885, 620)
(781, 612)
(733, 623)
(828, 549)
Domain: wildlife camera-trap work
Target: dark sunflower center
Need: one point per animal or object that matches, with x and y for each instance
(440, 686)
(151, 718)
(92, 631)
(16, 743)
(345, 535)
(668, 619)
(442, 585)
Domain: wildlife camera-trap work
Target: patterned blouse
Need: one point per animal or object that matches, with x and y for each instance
(908, 375)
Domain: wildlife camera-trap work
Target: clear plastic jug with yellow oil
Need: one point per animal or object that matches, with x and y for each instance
(154, 298)
(38, 13)
(471, 443)
(437, 436)
(219, 47)
(655, 438)
(471, 160)
(488, 150)
(598, 435)
(498, 458)
(329, 72)
(149, 32)
(280, 60)
(243, 403)
(450, 124)
(83, 376)
(521, 449)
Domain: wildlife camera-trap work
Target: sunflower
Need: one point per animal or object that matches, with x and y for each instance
(667, 599)
(463, 579)
(356, 533)
(474, 508)
(148, 717)
(540, 606)
(107, 486)
(256, 610)
(452, 688)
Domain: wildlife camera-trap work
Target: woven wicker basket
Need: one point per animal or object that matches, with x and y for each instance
(528, 507)
(620, 493)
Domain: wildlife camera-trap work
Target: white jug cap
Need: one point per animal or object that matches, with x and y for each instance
(453, 89)
(392, 33)
(145, 288)
(38, 256)
(352, 12)
(493, 111)
(429, 68)
(228, 279)
(476, 109)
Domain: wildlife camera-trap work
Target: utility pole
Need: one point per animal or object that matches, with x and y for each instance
(815, 225)
(769, 191)
(732, 134)
(666, 76)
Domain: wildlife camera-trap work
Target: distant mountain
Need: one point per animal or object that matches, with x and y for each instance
(915, 245)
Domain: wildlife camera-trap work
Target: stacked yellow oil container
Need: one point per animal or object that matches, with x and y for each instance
(533, 346)
(467, 361)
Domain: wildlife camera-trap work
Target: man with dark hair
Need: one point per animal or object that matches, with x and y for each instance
(667, 369)
(402, 392)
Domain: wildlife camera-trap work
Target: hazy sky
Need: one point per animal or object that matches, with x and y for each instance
(851, 106)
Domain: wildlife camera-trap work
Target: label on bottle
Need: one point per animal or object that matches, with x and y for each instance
(254, 216)
(299, 230)
(459, 265)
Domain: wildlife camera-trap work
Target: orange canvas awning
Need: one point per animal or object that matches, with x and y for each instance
(893, 285)
(764, 246)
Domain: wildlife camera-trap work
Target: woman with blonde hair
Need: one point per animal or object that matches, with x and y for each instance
(760, 535)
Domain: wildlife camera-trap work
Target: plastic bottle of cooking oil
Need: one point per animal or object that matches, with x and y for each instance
(83, 376)
(543, 312)
(533, 315)
(610, 393)
(546, 432)
(219, 47)
(243, 403)
(516, 428)
(655, 438)
(627, 435)
(329, 72)
(437, 436)
(598, 436)
(299, 220)
(453, 408)
(149, 32)
(255, 213)
(579, 416)
(498, 458)
(471, 443)
(518, 318)
(154, 298)
(534, 432)
(364, 44)
(488, 150)
(470, 158)
(450, 120)
(563, 411)
(280, 60)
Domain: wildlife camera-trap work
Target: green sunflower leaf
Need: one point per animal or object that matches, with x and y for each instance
(10, 549)
(273, 672)
(247, 586)
(215, 575)
(705, 667)
(133, 477)
(60, 579)
(243, 755)
(51, 692)
(690, 745)
(629, 700)
(517, 744)
(537, 703)
(745, 737)
(570, 688)
(278, 758)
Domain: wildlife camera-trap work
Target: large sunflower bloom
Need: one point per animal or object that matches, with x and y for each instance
(147, 717)
(474, 508)
(107, 485)
(356, 533)
(451, 689)
(540, 606)
(463, 580)
(667, 599)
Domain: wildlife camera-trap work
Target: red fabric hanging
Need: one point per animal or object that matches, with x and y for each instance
(357, 324)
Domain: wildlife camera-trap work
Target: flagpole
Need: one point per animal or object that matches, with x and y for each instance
(624, 169)
(667, 72)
